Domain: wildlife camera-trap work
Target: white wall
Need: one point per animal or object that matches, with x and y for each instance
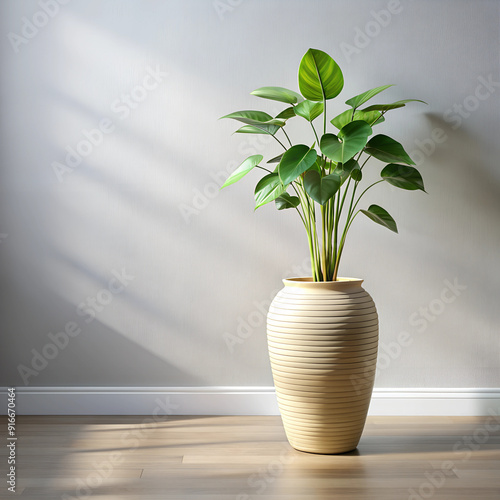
(199, 277)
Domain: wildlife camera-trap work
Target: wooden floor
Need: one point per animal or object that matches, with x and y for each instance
(248, 458)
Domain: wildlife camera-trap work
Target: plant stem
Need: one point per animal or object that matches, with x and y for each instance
(296, 208)
(315, 134)
(341, 247)
(314, 235)
(308, 224)
(286, 135)
(336, 228)
(284, 147)
(349, 221)
(364, 163)
(263, 168)
(359, 198)
(324, 114)
(324, 232)
(301, 218)
(329, 223)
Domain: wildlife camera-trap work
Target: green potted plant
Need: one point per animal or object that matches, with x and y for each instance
(323, 329)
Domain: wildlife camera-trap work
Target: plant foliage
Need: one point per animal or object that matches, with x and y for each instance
(322, 181)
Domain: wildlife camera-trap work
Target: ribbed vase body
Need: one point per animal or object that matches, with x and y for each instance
(323, 340)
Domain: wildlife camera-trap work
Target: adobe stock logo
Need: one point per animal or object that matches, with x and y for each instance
(372, 29)
(464, 450)
(202, 197)
(31, 27)
(114, 458)
(123, 107)
(225, 7)
(455, 116)
(59, 341)
(419, 320)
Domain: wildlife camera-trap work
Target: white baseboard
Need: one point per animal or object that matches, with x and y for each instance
(435, 402)
(233, 401)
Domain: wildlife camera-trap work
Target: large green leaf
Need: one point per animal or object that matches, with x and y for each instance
(370, 117)
(394, 105)
(268, 189)
(319, 188)
(243, 169)
(259, 129)
(380, 216)
(351, 139)
(344, 169)
(386, 149)
(278, 94)
(319, 76)
(295, 161)
(251, 117)
(331, 146)
(259, 116)
(309, 110)
(357, 101)
(286, 201)
(403, 176)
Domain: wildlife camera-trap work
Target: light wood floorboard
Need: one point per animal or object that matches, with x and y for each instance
(248, 458)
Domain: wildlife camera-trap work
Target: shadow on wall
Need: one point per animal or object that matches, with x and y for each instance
(75, 353)
(452, 237)
(110, 210)
(469, 181)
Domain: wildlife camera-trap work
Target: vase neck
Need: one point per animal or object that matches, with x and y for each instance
(342, 284)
